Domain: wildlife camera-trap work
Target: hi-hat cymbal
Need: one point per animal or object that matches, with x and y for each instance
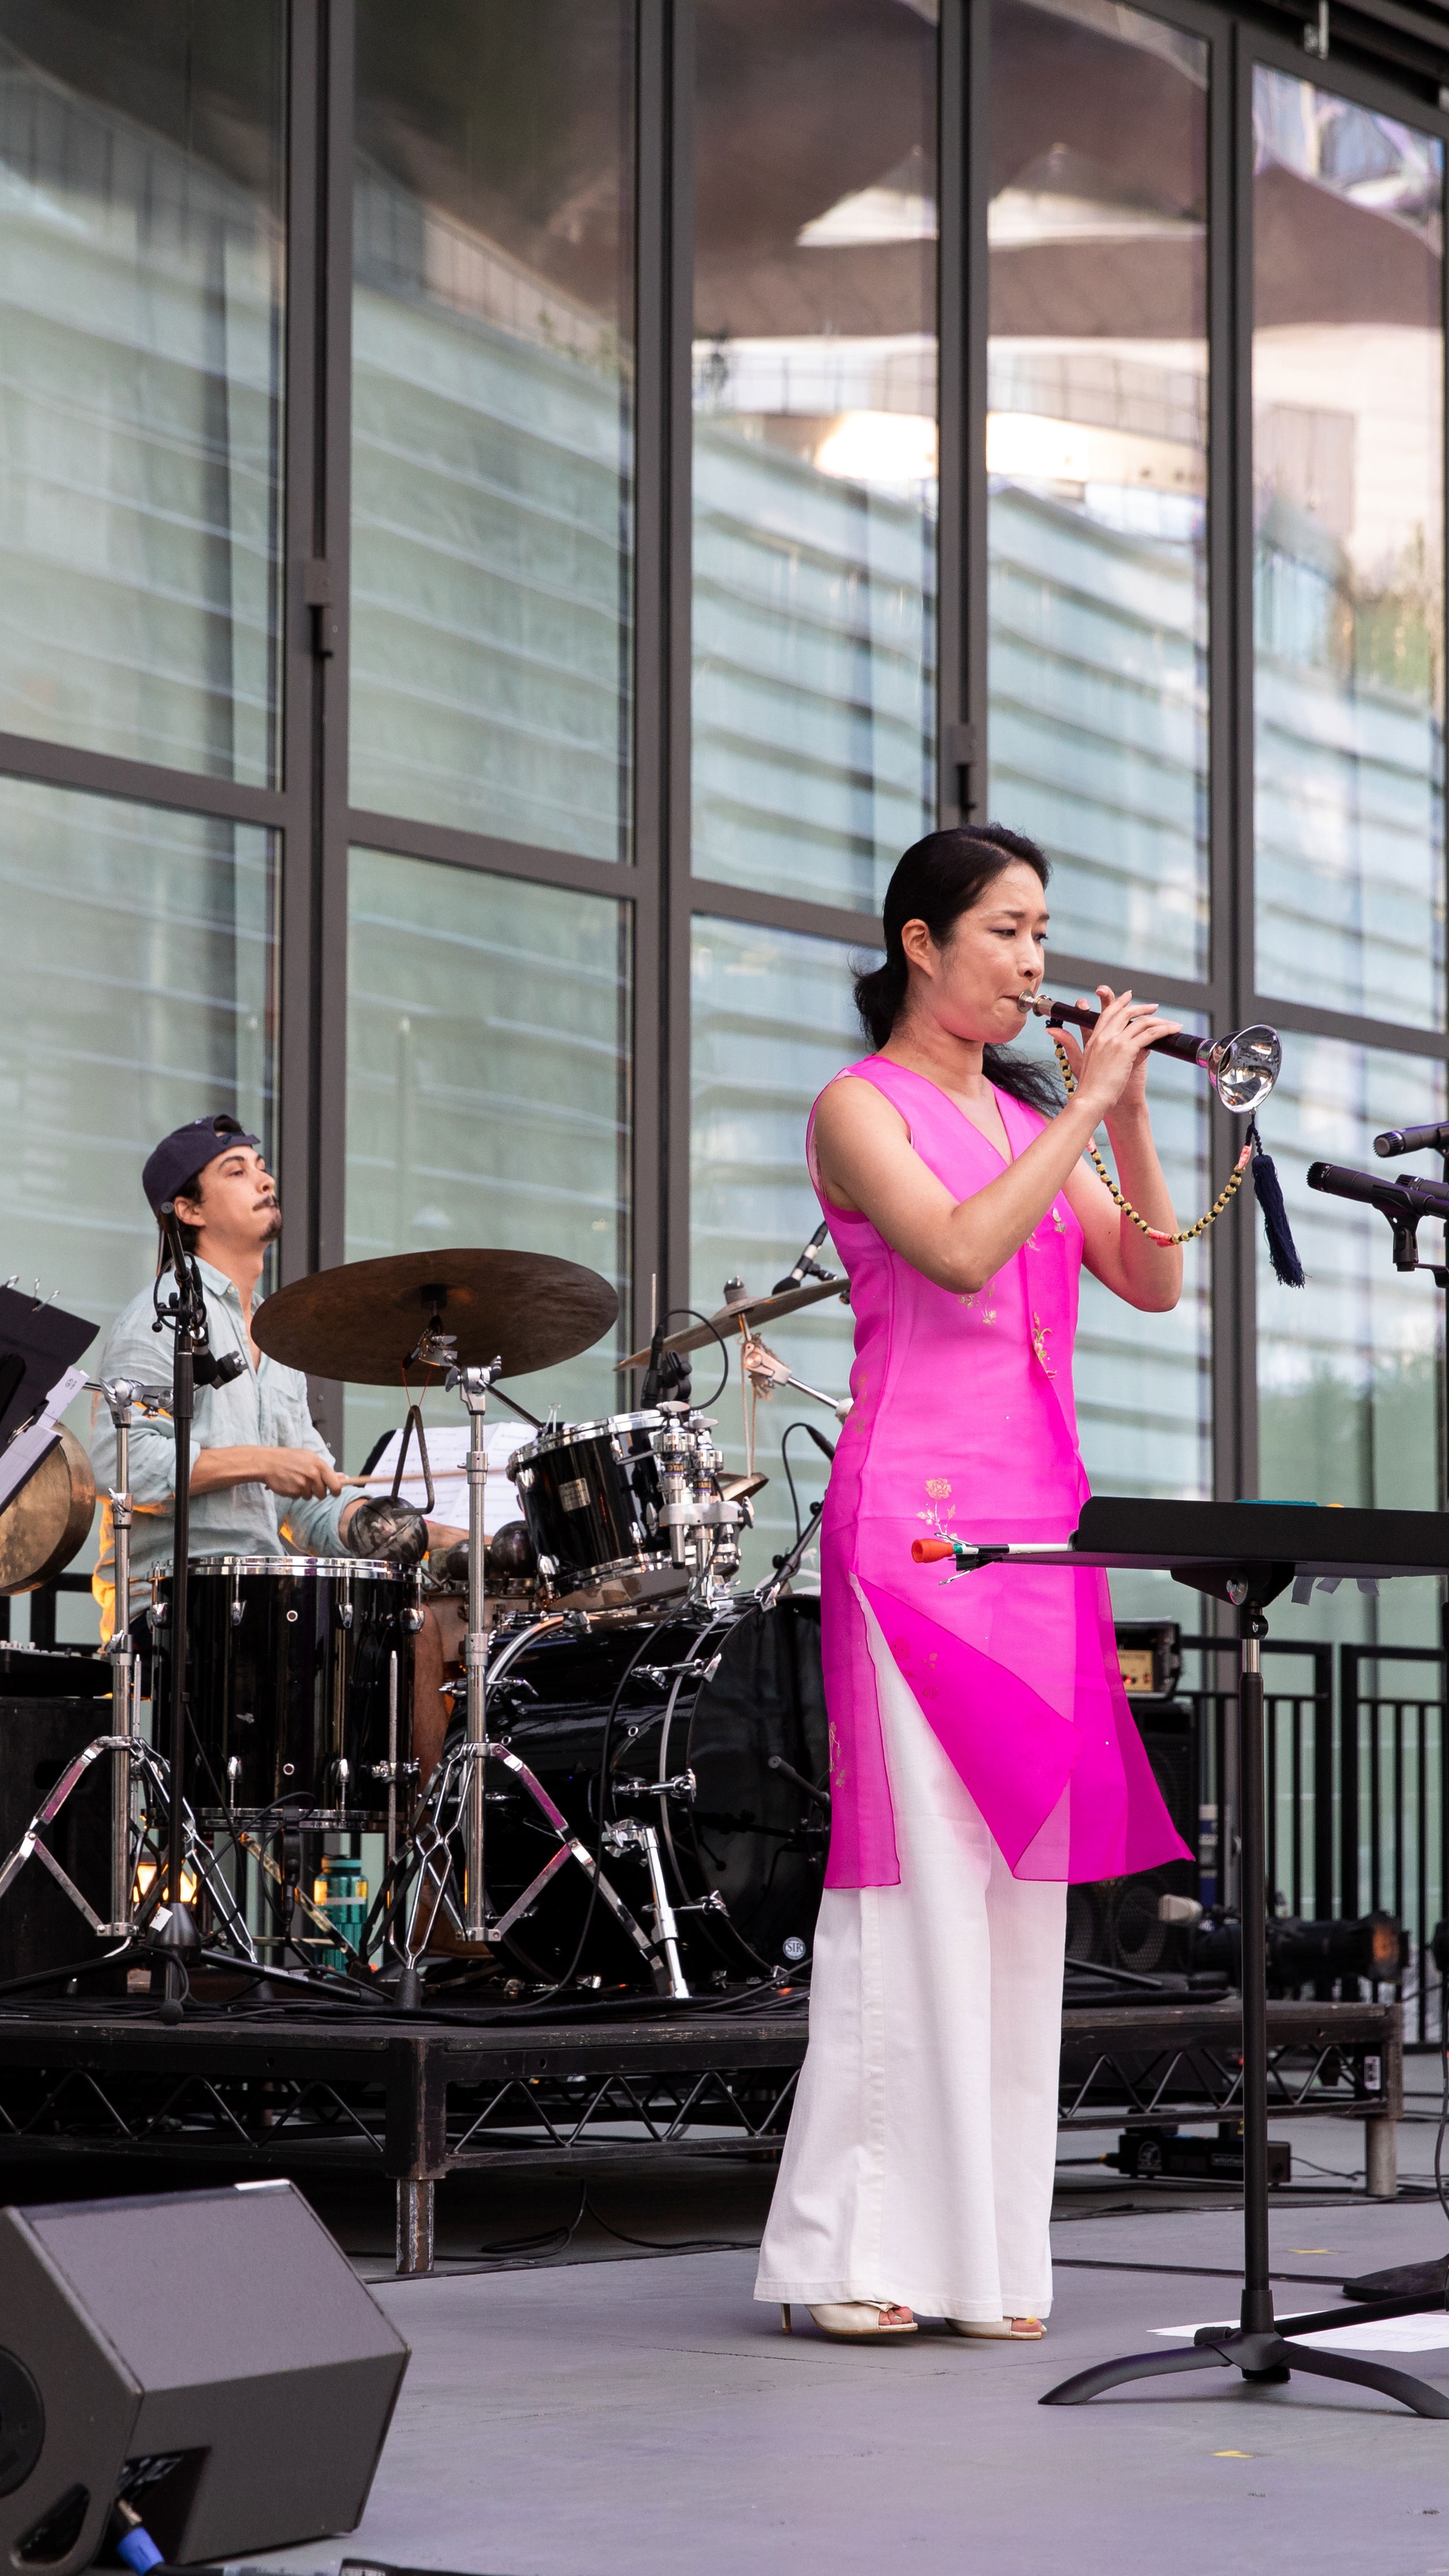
(753, 1312)
(362, 1322)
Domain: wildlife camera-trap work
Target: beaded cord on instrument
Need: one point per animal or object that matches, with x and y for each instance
(1286, 1264)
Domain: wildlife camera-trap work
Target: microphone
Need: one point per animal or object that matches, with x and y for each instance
(821, 1443)
(807, 1267)
(1408, 1196)
(1414, 1140)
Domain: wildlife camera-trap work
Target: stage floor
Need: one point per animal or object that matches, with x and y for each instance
(643, 2417)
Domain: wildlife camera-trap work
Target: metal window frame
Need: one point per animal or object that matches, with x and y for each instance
(1390, 66)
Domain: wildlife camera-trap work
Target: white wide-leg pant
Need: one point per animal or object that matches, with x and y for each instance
(920, 2155)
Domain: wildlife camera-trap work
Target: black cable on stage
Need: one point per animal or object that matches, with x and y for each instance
(712, 1327)
(572, 1969)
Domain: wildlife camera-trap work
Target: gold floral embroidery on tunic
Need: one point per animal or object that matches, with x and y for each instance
(938, 1487)
(1039, 1332)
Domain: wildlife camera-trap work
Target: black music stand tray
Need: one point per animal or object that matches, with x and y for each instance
(1247, 1553)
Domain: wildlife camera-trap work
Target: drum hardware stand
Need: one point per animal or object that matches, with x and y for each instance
(624, 1836)
(429, 1856)
(768, 1592)
(130, 1754)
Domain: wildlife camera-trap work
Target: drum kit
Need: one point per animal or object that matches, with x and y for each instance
(632, 1787)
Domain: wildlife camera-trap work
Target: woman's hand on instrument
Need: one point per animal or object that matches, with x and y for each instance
(1111, 1069)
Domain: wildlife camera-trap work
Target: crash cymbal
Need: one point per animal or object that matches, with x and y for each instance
(363, 1321)
(753, 1312)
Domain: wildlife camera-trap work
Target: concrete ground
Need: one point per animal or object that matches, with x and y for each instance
(643, 2417)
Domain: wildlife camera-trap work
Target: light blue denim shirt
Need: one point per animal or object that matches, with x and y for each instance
(265, 1406)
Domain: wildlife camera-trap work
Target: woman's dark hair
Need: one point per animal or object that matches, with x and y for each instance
(940, 878)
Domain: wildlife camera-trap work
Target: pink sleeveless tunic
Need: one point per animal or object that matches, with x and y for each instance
(964, 1423)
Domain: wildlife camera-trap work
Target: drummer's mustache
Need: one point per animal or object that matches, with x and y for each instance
(274, 1217)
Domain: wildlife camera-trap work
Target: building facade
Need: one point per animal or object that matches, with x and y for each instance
(511, 520)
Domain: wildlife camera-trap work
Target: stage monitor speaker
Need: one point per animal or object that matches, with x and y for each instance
(210, 2356)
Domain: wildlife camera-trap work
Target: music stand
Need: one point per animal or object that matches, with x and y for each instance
(1246, 1553)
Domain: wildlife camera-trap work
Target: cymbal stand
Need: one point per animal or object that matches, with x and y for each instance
(122, 1396)
(473, 1384)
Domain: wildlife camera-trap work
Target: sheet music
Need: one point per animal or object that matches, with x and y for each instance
(23, 1454)
(447, 1456)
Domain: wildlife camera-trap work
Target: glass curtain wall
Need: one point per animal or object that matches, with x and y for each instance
(488, 1093)
(142, 266)
(1096, 456)
(771, 1019)
(1348, 479)
(1348, 472)
(813, 755)
(492, 448)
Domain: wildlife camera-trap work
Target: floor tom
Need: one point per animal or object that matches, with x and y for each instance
(299, 1675)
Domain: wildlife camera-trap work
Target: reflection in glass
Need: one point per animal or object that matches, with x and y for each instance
(1349, 1402)
(814, 445)
(487, 1092)
(1348, 468)
(492, 453)
(772, 1020)
(1096, 453)
(142, 259)
(139, 953)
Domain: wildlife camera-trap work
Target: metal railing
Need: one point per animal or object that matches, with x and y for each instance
(1358, 1818)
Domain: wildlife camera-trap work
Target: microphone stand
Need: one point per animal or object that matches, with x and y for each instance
(186, 1311)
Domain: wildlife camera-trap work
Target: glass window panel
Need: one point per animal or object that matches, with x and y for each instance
(772, 1020)
(1096, 454)
(814, 444)
(142, 263)
(1349, 1402)
(140, 958)
(487, 1093)
(492, 453)
(1348, 466)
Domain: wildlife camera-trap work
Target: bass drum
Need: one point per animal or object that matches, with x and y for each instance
(718, 1739)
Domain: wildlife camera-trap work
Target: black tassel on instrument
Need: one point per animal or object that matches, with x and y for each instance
(1287, 1268)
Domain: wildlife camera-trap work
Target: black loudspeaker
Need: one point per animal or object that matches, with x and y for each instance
(210, 2355)
(1114, 1921)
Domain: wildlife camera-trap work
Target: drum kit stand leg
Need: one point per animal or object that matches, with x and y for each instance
(134, 1763)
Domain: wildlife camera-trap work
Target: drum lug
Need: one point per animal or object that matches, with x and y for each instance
(412, 1621)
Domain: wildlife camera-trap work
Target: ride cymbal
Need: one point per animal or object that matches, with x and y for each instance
(363, 1322)
(752, 1312)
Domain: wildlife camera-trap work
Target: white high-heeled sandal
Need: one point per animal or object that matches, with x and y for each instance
(998, 2329)
(856, 2320)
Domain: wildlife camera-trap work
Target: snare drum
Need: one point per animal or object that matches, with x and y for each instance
(592, 1495)
(295, 1666)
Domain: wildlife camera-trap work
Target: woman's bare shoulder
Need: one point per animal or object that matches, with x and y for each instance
(851, 1106)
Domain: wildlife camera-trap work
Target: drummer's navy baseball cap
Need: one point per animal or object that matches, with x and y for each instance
(186, 1151)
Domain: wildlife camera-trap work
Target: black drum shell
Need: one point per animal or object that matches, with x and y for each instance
(293, 1684)
(591, 1497)
(752, 1837)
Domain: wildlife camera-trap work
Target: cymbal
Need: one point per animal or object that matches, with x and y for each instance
(50, 1518)
(362, 1321)
(753, 1312)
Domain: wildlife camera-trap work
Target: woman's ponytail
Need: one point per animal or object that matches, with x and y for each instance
(879, 994)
